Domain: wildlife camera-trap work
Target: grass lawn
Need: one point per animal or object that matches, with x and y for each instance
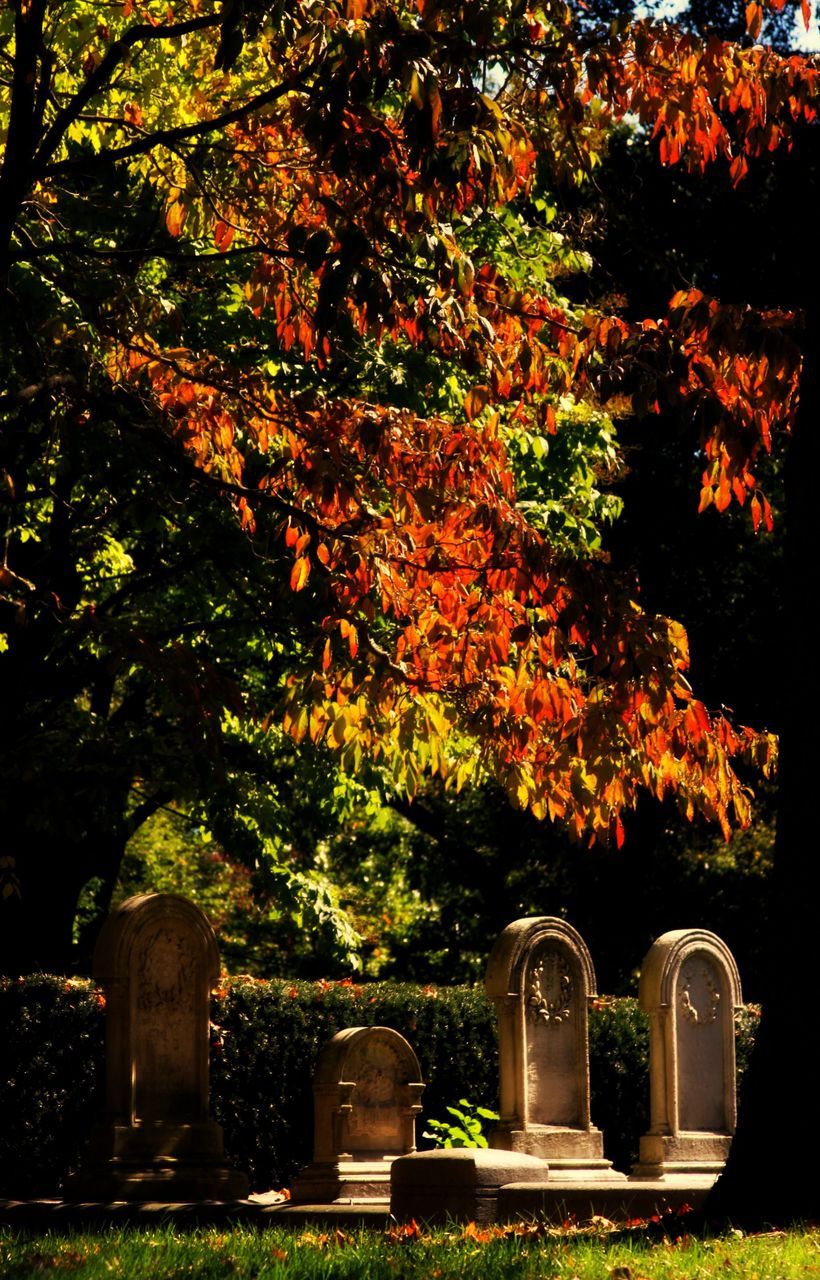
(585, 1254)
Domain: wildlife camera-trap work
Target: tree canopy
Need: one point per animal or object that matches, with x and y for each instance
(305, 434)
(302, 436)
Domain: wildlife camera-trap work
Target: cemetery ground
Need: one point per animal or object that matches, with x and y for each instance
(597, 1252)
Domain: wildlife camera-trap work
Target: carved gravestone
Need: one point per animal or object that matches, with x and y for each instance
(690, 988)
(541, 980)
(157, 960)
(367, 1091)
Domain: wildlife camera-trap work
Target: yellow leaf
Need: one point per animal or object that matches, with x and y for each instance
(299, 573)
(175, 216)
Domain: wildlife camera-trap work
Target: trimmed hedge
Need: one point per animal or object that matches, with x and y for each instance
(266, 1037)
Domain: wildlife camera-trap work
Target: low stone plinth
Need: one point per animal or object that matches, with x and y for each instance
(693, 1156)
(344, 1180)
(559, 1200)
(55, 1216)
(432, 1186)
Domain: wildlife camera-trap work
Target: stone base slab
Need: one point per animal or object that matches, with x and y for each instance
(343, 1180)
(169, 1183)
(570, 1153)
(460, 1184)
(557, 1201)
(64, 1215)
(682, 1154)
(553, 1201)
(157, 1162)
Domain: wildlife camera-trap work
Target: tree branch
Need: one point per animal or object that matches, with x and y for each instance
(26, 394)
(146, 810)
(169, 137)
(20, 137)
(98, 80)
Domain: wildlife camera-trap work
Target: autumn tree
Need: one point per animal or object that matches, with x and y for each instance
(226, 237)
(207, 307)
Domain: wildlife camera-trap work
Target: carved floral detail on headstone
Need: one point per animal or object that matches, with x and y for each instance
(699, 993)
(549, 990)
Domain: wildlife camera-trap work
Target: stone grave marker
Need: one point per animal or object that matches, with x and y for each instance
(157, 960)
(541, 979)
(367, 1091)
(690, 988)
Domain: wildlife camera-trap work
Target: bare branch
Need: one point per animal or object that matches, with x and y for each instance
(26, 394)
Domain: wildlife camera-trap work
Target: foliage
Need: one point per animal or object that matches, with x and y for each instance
(468, 1130)
(429, 887)
(294, 357)
(266, 1037)
(257, 934)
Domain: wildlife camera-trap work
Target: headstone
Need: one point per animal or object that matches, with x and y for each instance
(437, 1186)
(690, 988)
(541, 980)
(157, 960)
(367, 1091)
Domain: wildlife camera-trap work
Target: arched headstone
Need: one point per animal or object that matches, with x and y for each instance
(540, 978)
(690, 988)
(157, 960)
(367, 1091)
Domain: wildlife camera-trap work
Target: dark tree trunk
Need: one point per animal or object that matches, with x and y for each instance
(37, 916)
(770, 1177)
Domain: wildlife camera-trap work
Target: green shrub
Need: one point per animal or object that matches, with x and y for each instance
(51, 1079)
(266, 1038)
(272, 1033)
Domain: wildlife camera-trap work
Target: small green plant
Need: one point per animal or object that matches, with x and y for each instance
(468, 1131)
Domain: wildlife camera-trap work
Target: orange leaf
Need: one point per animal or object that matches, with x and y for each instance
(738, 169)
(475, 400)
(754, 18)
(756, 512)
(223, 235)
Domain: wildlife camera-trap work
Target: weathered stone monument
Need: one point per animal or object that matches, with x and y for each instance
(367, 1091)
(541, 980)
(690, 988)
(157, 960)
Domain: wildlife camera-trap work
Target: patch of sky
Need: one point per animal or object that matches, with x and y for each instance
(803, 41)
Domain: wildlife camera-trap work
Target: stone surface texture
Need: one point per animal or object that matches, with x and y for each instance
(556, 1202)
(432, 1186)
(157, 960)
(690, 988)
(541, 979)
(367, 1091)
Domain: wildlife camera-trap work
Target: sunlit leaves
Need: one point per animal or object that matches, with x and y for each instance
(361, 195)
